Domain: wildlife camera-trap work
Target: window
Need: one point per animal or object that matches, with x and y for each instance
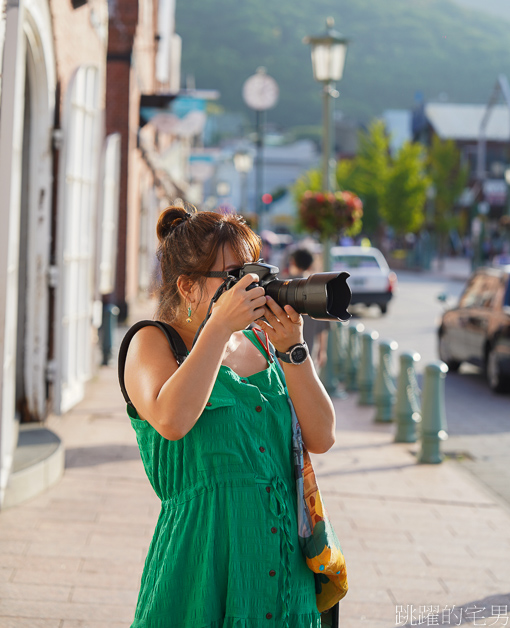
(355, 261)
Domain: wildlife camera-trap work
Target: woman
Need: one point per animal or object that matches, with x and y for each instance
(215, 439)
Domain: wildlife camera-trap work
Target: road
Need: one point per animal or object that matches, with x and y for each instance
(478, 420)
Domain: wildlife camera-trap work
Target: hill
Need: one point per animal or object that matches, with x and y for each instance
(499, 8)
(398, 47)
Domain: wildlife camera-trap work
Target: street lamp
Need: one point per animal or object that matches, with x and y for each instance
(329, 51)
(243, 163)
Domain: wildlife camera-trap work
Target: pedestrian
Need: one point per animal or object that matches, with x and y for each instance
(315, 332)
(215, 438)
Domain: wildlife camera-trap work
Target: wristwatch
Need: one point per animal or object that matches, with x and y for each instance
(297, 354)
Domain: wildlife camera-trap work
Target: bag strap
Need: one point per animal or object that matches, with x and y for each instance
(174, 340)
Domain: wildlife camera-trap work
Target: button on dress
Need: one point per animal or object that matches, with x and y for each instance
(225, 552)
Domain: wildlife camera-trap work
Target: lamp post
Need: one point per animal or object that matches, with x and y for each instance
(243, 163)
(329, 51)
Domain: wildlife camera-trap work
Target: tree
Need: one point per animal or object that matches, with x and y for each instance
(404, 195)
(449, 179)
(368, 175)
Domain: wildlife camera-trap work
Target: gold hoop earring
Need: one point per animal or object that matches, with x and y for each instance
(188, 320)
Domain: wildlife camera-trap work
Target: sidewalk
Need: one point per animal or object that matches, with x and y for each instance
(413, 535)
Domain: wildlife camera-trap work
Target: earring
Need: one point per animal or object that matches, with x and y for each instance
(188, 320)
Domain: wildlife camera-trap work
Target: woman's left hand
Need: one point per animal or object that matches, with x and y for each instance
(284, 326)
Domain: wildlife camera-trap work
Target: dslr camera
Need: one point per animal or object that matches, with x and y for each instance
(323, 296)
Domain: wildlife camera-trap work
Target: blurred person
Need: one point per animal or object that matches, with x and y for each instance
(315, 332)
(215, 436)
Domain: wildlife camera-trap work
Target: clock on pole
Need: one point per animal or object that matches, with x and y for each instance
(260, 93)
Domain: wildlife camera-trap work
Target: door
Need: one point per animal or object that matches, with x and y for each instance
(76, 246)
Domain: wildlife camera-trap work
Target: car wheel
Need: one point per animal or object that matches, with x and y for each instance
(445, 355)
(497, 382)
(384, 308)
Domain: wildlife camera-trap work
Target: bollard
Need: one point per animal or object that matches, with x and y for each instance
(433, 421)
(353, 355)
(407, 406)
(366, 375)
(341, 334)
(384, 390)
(107, 329)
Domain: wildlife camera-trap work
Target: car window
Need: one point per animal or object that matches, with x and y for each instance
(355, 261)
(481, 291)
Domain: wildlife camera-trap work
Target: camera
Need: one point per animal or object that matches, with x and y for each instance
(323, 296)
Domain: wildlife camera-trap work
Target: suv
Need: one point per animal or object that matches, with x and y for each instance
(477, 330)
(371, 281)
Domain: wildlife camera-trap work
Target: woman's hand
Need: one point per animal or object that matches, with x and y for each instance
(238, 307)
(284, 326)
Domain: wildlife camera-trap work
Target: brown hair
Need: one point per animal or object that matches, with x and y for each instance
(189, 242)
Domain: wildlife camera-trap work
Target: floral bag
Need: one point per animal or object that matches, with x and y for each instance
(317, 538)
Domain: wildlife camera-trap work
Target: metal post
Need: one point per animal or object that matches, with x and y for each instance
(384, 389)
(331, 382)
(353, 355)
(407, 407)
(259, 167)
(433, 423)
(366, 374)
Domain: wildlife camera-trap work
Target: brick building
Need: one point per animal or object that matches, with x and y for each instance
(143, 70)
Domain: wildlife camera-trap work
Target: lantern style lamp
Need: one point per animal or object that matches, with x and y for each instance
(329, 51)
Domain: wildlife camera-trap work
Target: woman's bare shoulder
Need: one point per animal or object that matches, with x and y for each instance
(149, 363)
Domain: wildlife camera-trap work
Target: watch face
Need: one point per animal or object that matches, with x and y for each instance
(298, 355)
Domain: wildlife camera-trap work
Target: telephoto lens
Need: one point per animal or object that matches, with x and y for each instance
(323, 296)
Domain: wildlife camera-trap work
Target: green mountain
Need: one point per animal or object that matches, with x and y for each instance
(499, 8)
(398, 47)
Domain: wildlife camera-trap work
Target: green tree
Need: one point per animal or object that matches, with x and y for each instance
(449, 178)
(309, 180)
(368, 173)
(405, 192)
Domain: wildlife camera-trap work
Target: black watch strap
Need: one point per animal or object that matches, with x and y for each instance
(297, 354)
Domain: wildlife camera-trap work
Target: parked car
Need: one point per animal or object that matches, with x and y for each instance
(371, 281)
(477, 330)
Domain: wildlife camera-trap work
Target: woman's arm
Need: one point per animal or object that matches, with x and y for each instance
(313, 406)
(172, 399)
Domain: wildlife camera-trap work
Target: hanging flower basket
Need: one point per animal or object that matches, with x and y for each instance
(328, 214)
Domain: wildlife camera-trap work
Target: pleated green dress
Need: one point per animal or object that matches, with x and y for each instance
(225, 551)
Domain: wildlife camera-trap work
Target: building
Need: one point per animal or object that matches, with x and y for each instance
(462, 123)
(143, 78)
(51, 172)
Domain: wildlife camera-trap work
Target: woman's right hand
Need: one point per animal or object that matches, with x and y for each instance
(238, 307)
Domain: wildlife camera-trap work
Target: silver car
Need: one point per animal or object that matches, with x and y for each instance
(371, 281)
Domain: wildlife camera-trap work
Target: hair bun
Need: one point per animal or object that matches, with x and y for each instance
(169, 219)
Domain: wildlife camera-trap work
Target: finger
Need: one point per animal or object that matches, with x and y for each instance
(247, 280)
(259, 303)
(257, 292)
(280, 312)
(271, 317)
(292, 314)
(264, 326)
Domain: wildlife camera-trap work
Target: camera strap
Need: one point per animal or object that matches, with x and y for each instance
(218, 274)
(224, 286)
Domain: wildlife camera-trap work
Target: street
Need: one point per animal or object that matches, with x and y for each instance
(478, 420)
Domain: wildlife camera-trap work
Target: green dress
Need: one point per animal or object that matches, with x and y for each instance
(225, 551)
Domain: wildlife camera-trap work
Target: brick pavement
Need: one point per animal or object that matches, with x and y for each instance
(413, 535)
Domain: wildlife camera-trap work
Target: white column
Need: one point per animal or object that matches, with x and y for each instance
(11, 145)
